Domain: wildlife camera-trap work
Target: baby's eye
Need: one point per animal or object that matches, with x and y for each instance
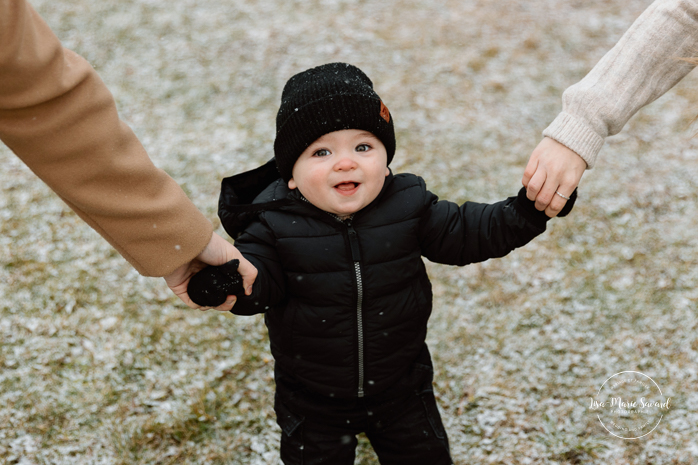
(363, 148)
(321, 153)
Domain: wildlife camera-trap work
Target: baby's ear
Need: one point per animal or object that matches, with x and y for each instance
(387, 171)
(291, 184)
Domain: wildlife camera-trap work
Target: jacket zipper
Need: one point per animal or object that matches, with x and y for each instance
(356, 257)
(360, 326)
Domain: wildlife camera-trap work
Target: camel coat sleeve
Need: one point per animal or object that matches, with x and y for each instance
(57, 115)
(640, 68)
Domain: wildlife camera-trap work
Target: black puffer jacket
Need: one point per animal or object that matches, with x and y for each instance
(347, 302)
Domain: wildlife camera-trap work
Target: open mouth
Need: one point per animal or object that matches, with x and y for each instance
(346, 186)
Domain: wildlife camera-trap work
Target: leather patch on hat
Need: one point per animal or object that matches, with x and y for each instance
(385, 114)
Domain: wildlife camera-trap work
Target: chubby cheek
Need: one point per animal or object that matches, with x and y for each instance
(310, 184)
(317, 178)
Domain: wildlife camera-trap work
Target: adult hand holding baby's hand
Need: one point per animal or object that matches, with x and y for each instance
(217, 252)
(553, 173)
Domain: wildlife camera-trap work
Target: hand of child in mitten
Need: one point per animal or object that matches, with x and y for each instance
(211, 286)
(528, 208)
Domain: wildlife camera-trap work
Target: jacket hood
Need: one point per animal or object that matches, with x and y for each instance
(236, 205)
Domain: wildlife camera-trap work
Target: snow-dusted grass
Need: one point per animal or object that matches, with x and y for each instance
(101, 366)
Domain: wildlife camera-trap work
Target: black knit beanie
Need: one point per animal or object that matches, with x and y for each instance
(325, 99)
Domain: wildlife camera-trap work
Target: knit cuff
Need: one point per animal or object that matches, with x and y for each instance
(577, 135)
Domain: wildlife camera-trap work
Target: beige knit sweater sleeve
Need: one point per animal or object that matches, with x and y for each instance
(640, 68)
(58, 117)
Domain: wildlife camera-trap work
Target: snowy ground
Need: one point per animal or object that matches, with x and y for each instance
(101, 366)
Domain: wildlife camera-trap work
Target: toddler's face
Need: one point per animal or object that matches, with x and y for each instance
(342, 171)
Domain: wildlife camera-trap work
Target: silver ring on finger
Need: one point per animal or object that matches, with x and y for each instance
(563, 196)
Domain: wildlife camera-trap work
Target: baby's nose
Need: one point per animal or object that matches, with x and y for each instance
(345, 162)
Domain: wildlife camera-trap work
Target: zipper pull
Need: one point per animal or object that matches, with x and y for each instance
(353, 242)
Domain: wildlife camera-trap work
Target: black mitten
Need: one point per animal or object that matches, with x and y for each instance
(212, 285)
(528, 208)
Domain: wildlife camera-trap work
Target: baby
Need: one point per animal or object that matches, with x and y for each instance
(338, 241)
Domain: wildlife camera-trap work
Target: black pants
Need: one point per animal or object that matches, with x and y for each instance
(403, 425)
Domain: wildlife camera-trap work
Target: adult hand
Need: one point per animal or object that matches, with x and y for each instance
(552, 167)
(217, 252)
